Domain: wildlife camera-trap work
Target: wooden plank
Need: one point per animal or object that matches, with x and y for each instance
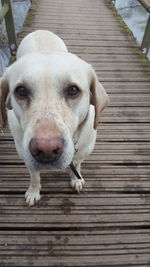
(66, 213)
(29, 243)
(108, 223)
(73, 261)
(102, 169)
(74, 200)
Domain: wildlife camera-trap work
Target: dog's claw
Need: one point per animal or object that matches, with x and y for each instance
(32, 196)
(77, 185)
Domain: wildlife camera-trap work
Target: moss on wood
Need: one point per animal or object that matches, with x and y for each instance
(123, 26)
(125, 29)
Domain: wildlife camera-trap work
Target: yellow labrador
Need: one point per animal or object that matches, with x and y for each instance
(52, 100)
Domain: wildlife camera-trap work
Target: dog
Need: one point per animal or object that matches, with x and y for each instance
(52, 101)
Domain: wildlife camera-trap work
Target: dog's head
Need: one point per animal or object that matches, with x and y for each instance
(50, 96)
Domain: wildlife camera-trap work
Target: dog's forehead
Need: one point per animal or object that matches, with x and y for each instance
(56, 67)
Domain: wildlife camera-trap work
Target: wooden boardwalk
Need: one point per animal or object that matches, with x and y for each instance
(109, 223)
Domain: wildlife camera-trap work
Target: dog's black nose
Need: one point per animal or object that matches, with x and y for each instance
(46, 150)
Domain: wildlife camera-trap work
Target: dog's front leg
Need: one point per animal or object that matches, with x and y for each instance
(76, 183)
(33, 193)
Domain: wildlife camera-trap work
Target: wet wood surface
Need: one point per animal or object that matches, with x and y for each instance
(108, 224)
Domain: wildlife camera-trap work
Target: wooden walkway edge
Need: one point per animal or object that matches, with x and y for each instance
(108, 224)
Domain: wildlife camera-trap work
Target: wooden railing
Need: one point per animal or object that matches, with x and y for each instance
(146, 37)
(145, 4)
(7, 15)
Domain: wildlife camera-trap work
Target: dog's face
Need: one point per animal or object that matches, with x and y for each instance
(50, 96)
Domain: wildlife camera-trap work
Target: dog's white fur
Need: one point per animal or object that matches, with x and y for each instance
(46, 67)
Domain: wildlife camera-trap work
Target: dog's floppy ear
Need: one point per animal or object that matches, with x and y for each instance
(4, 100)
(99, 98)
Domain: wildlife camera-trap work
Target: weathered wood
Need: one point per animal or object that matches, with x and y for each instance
(108, 224)
(3, 11)
(10, 27)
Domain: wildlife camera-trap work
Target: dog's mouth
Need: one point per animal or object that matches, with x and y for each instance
(42, 159)
(59, 164)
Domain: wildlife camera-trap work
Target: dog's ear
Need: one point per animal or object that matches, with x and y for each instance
(4, 100)
(99, 98)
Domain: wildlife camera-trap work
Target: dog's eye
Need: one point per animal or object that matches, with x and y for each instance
(72, 91)
(22, 92)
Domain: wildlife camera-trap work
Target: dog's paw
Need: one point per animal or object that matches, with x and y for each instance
(32, 196)
(77, 184)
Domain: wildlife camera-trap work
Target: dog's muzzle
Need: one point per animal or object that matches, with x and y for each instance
(46, 150)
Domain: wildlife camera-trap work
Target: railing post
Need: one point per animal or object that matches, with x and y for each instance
(3, 12)
(146, 38)
(10, 28)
